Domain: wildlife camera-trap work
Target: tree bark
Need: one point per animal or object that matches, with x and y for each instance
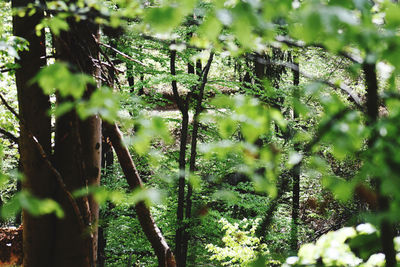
(152, 232)
(78, 153)
(387, 229)
(33, 107)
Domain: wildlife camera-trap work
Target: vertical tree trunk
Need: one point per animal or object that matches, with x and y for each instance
(183, 107)
(129, 76)
(199, 95)
(33, 107)
(78, 153)
(387, 229)
(295, 172)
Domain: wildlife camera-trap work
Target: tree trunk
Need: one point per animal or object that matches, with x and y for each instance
(193, 151)
(129, 76)
(295, 173)
(152, 232)
(183, 108)
(78, 154)
(33, 107)
(387, 229)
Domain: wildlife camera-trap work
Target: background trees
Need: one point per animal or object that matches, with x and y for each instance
(293, 107)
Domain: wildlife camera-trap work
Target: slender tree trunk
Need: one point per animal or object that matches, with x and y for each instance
(129, 76)
(295, 173)
(183, 108)
(193, 152)
(153, 233)
(387, 229)
(33, 107)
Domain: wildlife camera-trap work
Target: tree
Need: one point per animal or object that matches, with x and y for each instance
(34, 121)
(76, 162)
(267, 131)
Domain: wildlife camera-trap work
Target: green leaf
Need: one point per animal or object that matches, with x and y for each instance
(341, 189)
(163, 19)
(58, 77)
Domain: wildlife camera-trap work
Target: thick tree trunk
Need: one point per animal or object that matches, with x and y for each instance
(33, 107)
(152, 232)
(78, 154)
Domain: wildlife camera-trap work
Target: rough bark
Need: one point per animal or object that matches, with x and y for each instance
(152, 232)
(78, 153)
(33, 107)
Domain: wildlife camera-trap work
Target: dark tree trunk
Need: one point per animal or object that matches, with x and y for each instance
(199, 95)
(101, 256)
(387, 229)
(141, 88)
(107, 155)
(295, 173)
(183, 108)
(259, 67)
(129, 76)
(78, 154)
(33, 107)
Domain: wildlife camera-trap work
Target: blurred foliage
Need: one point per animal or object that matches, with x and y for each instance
(249, 137)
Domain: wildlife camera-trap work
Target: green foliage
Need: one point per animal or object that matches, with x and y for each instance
(34, 205)
(241, 246)
(58, 77)
(262, 137)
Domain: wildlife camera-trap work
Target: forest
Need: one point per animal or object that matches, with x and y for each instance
(199, 133)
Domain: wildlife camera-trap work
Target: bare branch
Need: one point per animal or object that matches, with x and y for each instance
(122, 54)
(299, 44)
(5, 103)
(9, 136)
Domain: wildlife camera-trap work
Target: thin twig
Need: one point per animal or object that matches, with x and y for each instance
(300, 44)
(9, 135)
(11, 109)
(7, 70)
(122, 54)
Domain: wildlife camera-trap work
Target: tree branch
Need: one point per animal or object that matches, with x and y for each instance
(323, 129)
(122, 54)
(9, 136)
(299, 44)
(178, 98)
(5, 103)
(153, 233)
(46, 159)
